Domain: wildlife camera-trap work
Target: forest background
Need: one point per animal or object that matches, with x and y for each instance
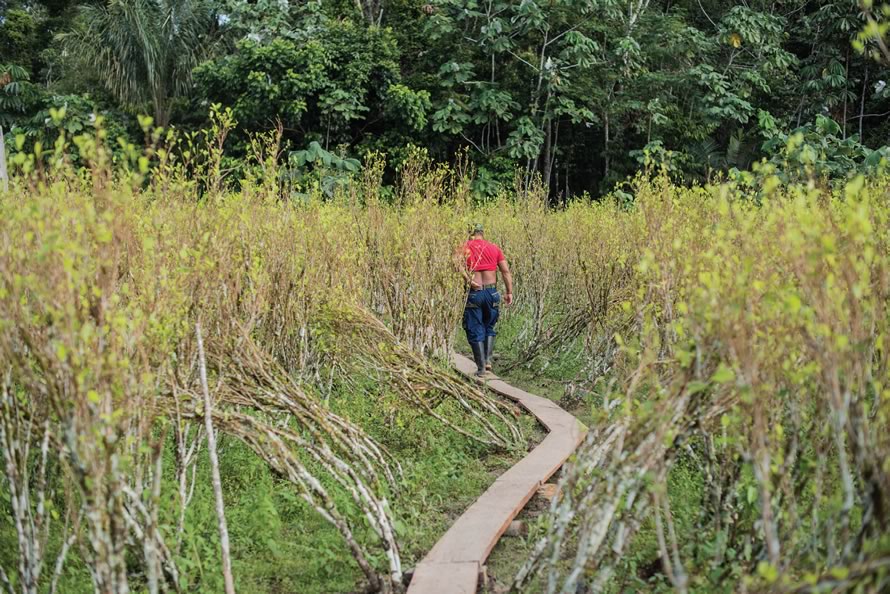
(580, 92)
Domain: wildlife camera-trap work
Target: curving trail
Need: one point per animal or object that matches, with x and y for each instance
(454, 563)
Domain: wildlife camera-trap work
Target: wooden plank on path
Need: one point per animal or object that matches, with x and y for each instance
(458, 578)
(453, 564)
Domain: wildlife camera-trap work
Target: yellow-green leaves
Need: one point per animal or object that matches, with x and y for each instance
(854, 187)
(767, 571)
(723, 375)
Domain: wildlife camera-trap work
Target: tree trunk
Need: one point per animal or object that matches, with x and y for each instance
(162, 113)
(566, 179)
(4, 175)
(862, 102)
(846, 81)
(548, 149)
(372, 11)
(606, 145)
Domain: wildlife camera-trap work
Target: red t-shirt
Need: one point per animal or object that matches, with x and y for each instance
(482, 255)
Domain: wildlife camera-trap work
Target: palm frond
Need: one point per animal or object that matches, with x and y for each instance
(143, 50)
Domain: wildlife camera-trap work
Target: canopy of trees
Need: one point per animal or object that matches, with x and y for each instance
(580, 92)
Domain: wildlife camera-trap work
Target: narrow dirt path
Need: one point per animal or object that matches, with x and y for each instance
(454, 563)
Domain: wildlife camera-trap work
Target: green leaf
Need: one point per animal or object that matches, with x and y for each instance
(723, 375)
(694, 387)
(767, 571)
(840, 573)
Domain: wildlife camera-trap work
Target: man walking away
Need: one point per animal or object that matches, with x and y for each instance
(483, 260)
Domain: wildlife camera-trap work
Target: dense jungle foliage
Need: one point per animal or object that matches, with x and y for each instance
(580, 92)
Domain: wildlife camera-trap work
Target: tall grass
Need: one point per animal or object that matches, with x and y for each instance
(107, 269)
(741, 341)
(748, 344)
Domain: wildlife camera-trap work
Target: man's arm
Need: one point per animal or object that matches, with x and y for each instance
(508, 281)
(460, 264)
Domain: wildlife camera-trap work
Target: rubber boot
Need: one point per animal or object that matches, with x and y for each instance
(489, 351)
(479, 357)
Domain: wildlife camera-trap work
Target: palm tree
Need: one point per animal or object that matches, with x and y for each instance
(144, 50)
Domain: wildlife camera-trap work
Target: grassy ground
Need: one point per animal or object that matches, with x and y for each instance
(283, 546)
(279, 543)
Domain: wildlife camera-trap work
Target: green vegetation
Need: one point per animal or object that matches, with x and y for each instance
(341, 430)
(693, 198)
(726, 345)
(578, 92)
(734, 369)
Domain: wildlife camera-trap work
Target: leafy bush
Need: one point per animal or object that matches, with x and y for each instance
(735, 354)
(818, 150)
(17, 93)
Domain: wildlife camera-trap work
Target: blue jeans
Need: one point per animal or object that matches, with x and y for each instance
(481, 314)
